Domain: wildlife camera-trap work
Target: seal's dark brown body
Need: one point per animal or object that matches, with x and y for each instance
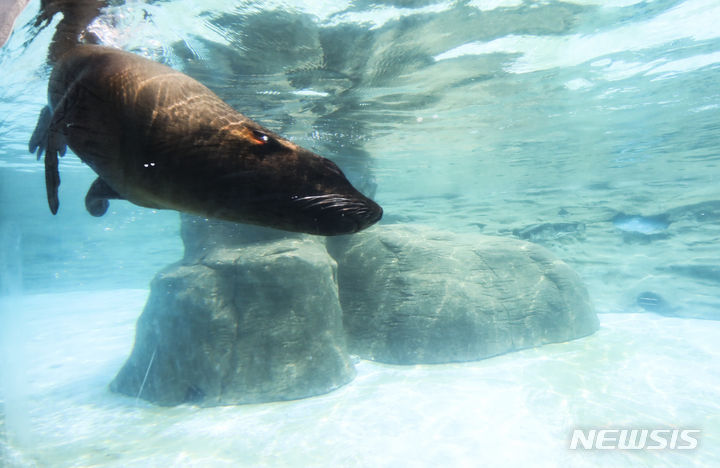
(160, 139)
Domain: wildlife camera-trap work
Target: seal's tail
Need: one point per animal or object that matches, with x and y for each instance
(48, 137)
(72, 29)
(45, 139)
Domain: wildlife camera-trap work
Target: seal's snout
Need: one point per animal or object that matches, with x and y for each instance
(365, 215)
(336, 214)
(372, 214)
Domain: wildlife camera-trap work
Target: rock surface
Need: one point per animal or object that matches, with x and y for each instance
(416, 295)
(253, 315)
(201, 236)
(260, 323)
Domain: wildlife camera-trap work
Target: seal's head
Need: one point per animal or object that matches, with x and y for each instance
(278, 184)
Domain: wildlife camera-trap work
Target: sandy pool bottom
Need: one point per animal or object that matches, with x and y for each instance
(60, 351)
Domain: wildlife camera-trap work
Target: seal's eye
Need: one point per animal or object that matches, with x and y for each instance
(260, 138)
(265, 144)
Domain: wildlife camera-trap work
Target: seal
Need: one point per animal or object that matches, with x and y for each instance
(162, 140)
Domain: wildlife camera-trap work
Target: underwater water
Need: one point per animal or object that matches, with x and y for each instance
(589, 127)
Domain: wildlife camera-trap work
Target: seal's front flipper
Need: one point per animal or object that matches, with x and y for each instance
(46, 139)
(96, 200)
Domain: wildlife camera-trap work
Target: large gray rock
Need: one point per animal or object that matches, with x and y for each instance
(415, 295)
(255, 324)
(253, 315)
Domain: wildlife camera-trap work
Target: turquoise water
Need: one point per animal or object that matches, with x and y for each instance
(590, 127)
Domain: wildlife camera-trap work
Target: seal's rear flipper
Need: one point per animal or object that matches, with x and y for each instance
(38, 140)
(45, 139)
(96, 200)
(52, 180)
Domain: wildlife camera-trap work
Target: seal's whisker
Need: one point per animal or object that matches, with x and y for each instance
(316, 197)
(343, 204)
(328, 203)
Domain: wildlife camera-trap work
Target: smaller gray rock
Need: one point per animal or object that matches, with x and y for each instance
(414, 295)
(257, 324)
(654, 302)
